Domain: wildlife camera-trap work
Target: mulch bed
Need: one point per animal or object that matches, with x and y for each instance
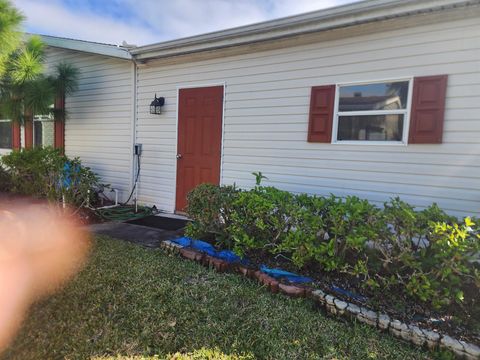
(454, 321)
(8, 200)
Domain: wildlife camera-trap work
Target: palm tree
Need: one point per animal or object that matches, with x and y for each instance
(24, 89)
(22, 80)
(63, 82)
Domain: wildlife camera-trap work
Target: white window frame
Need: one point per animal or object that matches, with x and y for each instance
(10, 121)
(40, 118)
(405, 112)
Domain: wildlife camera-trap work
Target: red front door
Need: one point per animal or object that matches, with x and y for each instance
(199, 139)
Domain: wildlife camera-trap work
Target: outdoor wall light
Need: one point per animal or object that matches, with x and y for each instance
(156, 105)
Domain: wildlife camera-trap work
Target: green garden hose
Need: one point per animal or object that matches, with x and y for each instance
(124, 213)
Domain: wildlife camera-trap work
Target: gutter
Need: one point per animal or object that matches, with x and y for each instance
(109, 50)
(323, 20)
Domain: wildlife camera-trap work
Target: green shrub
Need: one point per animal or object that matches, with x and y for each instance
(400, 246)
(331, 231)
(447, 265)
(5, 181)
(307, 239)
(427, 255)
(351, 224)
(210, 208)
(261, 218)
(47, 173)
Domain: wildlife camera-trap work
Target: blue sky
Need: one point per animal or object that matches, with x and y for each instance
(143, 22)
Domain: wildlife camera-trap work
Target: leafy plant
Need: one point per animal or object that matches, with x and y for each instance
(449, 261)
(5, 180)
(427, 255)
(261, 218)
(307, 239)
(210, 208)
(46, 173)
(258, 177)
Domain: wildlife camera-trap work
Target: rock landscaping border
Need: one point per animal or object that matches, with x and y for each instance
(336, 306)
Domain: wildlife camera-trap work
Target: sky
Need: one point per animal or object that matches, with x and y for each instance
(142, 22)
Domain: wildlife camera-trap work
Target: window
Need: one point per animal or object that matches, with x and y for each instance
(43, 130)
(372, 112)
(5, 134)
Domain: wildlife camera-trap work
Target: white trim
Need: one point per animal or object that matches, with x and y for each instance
(372, 112)
(405, 112)
(86, 46)
(194, 86)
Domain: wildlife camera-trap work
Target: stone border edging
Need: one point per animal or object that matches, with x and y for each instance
(336, 306)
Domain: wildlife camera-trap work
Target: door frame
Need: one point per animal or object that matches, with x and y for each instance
(194, 86)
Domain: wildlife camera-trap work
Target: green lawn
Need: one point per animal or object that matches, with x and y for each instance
(134, 303)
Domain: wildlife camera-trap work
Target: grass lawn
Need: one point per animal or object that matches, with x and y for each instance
(134, 303)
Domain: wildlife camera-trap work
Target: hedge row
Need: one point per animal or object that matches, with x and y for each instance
(428, 254)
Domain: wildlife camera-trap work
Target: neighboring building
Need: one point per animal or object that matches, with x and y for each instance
(376, 99)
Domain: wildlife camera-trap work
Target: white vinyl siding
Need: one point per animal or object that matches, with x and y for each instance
(98, 128)
(266, 119)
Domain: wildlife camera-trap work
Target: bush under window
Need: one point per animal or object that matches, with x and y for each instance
(426, 255)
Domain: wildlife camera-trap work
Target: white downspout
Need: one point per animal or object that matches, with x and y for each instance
(134, 129)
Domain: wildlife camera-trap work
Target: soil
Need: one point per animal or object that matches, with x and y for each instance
(89, 217)
(458, 321)
(85, 216)
(454, 321)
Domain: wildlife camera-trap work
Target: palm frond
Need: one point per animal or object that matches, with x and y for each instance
(10, 35)
(65, 79)
(11, 107)
(38, 96)
(27, 64)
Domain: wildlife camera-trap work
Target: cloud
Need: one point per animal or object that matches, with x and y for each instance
(53, 18)
(147, 21)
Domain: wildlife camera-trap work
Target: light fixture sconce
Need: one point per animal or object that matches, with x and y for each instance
(156, 105)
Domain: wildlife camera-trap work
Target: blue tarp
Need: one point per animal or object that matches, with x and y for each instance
(279, 274)
(226, 255)
(68, 170)
(348, 293)
(231, 257)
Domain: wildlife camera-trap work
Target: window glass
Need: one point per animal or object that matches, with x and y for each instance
(43, 130)
(5, 134)
(375, 96)
(371, 127)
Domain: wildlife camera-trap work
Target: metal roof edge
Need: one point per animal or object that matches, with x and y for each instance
(109, 50)
(321, 20)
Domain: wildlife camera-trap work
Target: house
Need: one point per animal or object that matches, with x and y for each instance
(378, 98)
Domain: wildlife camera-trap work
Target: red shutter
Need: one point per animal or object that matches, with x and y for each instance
(322, 101)
(16, 136)
(59, 136)
(428, 108)
(28, 127)
(59, 141)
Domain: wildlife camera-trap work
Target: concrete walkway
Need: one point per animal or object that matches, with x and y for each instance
(137, 234)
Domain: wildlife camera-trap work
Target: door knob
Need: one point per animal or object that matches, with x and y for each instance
(179, 156)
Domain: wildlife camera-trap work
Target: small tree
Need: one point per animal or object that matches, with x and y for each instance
(24, 89)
